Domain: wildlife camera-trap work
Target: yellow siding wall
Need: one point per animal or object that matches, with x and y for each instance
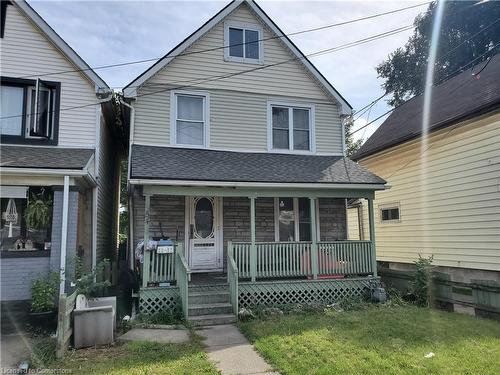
(238, 105)
(26, 51)
(453, 210)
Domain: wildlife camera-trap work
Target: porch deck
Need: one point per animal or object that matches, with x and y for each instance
(267, 273)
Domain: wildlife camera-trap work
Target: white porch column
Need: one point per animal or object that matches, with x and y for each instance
(64, 235)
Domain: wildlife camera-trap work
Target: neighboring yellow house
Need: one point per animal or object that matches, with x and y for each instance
(444, 198)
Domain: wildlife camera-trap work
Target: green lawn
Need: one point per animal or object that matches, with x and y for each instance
(139, 358)
(378, 340)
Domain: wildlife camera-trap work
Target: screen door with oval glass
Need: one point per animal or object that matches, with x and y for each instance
(204, 233)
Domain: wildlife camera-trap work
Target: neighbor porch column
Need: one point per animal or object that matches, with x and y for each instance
(64, 235)
(372, 235)
(145, 264)
(314, 240)
(253, 248)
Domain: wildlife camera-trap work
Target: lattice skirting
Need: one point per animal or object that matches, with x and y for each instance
(155, 300)
(300, 291)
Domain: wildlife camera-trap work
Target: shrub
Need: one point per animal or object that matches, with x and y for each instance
(86, 284)
(422, 280)
(44, 291)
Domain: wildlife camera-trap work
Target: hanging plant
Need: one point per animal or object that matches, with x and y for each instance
(38, 212)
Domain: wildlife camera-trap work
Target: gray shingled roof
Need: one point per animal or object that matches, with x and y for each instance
(456, 99)
(44, 157)
(169, 163)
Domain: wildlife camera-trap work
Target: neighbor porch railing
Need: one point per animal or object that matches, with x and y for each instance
(183, 274)
(301, 259)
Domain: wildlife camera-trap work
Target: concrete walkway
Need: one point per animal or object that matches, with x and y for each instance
(231, 352)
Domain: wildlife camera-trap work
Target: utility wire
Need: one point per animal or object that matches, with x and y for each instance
(441, 81)
(231, 45)
(197, 81)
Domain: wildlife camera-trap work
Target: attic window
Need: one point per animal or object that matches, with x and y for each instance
(243, 42)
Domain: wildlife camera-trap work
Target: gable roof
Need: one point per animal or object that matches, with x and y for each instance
(459, 98)
(59, 42)
(175, 163)
(130, 89)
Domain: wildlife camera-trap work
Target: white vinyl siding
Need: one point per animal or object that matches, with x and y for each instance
(290, 78)
(456, 215)
(25, 52)
(238, 121)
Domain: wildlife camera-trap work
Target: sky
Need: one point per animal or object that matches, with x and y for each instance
(111, 32)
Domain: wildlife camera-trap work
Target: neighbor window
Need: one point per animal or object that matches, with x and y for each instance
(190, 119)
(242, 42)
(293, 219)
(26, 220)
(291, 128)
(389, 214)
(28, 115)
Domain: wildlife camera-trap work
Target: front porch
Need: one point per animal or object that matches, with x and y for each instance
(324, 268)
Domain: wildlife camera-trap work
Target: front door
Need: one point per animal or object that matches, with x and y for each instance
(204, 233)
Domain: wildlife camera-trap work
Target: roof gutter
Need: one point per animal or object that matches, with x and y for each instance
(235, 184)
(83, 173)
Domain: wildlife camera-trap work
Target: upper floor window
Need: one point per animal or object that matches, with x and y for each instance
(291, 127)
(190, 118)
(243, 42)
(29, 111)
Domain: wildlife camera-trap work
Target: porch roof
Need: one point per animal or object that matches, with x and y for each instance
(45, 157)
(173, 163)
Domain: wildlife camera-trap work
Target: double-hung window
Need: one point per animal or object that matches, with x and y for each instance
(293, 219)
(190, 119)
(243, 42)
(291, 128)
(29, 111)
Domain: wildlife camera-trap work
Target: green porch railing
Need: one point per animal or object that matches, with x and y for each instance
(232, 277)
(344, 258)
(183, 274)
(295, 259)
(160, 267)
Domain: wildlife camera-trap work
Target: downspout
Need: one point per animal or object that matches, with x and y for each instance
(129, 188)
(64, 235)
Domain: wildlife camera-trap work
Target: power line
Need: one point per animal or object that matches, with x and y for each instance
(441, 81)
(231, 45)
(197, 81)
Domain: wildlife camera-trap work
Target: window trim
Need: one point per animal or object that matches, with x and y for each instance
(296, 221)
(291, 106)
(26, 84)
(389, 206)
(244, 26)
(173, 117)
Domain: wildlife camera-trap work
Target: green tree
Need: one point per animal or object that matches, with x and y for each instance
(351, 145)
(404, 70)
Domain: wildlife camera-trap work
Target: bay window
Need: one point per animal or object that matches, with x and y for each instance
(291, 127)
(29, 111)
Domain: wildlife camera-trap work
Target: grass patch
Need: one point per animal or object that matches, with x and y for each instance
(142, 358)
(375, 340)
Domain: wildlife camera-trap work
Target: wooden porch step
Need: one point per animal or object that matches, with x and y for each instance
(211, 320)
(198, 298)
(209, 309)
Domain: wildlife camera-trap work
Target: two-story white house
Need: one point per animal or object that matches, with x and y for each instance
(237, 156)
(60, 151)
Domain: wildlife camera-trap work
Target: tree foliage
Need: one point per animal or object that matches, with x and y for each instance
(405, 68)
(351, 145)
